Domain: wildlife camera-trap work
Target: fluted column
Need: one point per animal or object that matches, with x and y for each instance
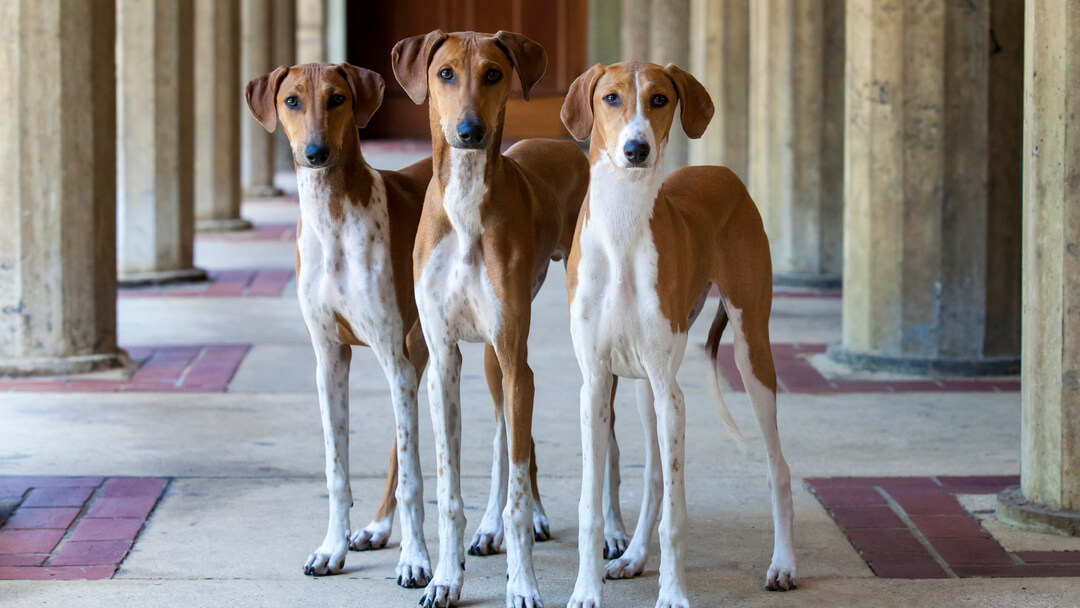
(155, 141)
(284, 54)
(796, 136)
(217, 116)
(1049, 495)
(310, 31)
(256, 58)
(916, 161)
(719, 58)
(58, 194)
(636, 15)
(669, 42)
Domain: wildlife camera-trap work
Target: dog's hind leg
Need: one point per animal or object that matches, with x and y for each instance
(615, 539)
(488, 538)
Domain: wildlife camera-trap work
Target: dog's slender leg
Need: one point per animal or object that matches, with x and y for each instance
(332, 377)
(489, 536)
(595, 432)
(752, 345)
(444, 394)
(632, 562)
(615, 539)
(377, 532)
(671, 424)
(541, 528)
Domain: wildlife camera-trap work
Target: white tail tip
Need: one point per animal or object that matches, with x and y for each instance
(725, 413)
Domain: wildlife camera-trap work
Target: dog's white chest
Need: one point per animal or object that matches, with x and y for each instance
(345, 262)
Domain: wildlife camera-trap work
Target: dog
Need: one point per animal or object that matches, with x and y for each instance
(646, 251)
(490, 225)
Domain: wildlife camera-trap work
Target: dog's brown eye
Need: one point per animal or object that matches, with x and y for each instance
(336, 100)
(611, 99)
(659, 101)
(446, 74)
(292, 101)
(493, 76)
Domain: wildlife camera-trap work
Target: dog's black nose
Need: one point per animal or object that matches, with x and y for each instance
(317, 154)
(471, 132)
(636, 151)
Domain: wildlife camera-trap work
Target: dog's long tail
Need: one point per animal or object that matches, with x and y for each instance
(712, 345)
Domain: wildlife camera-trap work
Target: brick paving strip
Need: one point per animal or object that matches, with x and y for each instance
(915, 528)
(795, 374)
(73, 527)
(261, 232)
(264, 283)
(163, 369)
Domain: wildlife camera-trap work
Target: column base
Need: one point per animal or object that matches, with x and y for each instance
(161, 277)
(915, 366)
(262, 192)
(1015, 509)
(63, 366)
(226, 225)
(812, 281)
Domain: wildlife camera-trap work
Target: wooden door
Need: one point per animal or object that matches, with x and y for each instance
(559, 25)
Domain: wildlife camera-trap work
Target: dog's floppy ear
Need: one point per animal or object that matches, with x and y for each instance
(367, 91)
(261, 94)
(527, 57)
(411, 58)
(696, 105)
(577, 109)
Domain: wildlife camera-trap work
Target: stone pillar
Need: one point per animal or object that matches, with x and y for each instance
(915, 249)
(669, 42)
(636, 15)
(284, 54)
(604, 31)
(155, 141)
(1048, 499)
(719, 58)
(336, 31)
(58, 194)
(310, 31)
(217, 116)
(256, 59)
(796, 136)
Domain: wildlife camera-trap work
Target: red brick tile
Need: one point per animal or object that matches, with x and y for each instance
(121, 506)
(948, 526)
(885, 540)
(849, 496)
(58, 497)
(91, 553)
(26, 559)
(969, 551)
(11, 487)
(90, 528)
(921, 502)
(1052, 557)
(29, 541)
(853, 518)
(67, 573)
(42, 517)
(133, 486)
(50, 481)
(905, 565)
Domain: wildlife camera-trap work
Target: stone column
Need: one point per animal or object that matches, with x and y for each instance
(796, 136)
(155, 141)
(669, 42)
(284, 54)
(310, 31)
(1048, 499)
(719, 58)
(256, 59)
(636, 15)
(217, 116)
(916, 292)
(58, 194)
(604, 32)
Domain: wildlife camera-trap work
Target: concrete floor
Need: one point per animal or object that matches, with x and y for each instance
(248, 500)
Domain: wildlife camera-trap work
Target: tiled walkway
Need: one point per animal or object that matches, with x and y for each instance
(222, 284)
(73, 527)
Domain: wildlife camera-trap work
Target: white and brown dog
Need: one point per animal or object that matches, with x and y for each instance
(645, 253)
(490, 226)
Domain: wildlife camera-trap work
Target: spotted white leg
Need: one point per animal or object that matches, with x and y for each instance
(632, 561)
(595, 432)
(671, 427)
(522, 590)
(332, 378)
(615, 539)
(488, 538)
(444, 395)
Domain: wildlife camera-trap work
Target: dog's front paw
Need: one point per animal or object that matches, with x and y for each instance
(527, 600)
(374, 536)
(673, 602)
(631, 564)
(327, 559)
(541, 528)
(413, 572)
(440, 596)
(781, 575)
(586, 595)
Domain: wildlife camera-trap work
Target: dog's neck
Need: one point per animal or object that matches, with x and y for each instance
(463, 178)
(621, 201)
(325, 192)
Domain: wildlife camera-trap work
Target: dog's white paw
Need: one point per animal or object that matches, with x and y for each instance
(528, 600)
(413, 571)
(586, 594)
(488, 539)
(615, 543)
(781, 575)
(672, 602)
(631, 564)
(444, 590)
(541, 528)
(328, 558)
(374, 536)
